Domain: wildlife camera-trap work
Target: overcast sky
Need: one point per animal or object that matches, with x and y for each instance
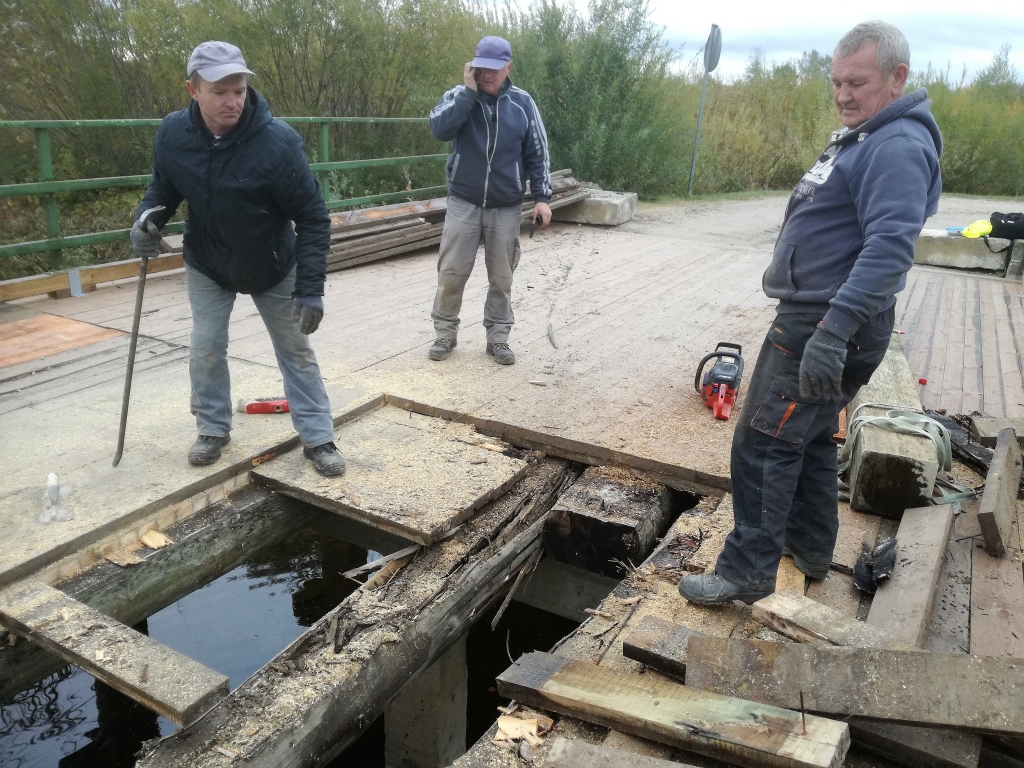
(939, 31)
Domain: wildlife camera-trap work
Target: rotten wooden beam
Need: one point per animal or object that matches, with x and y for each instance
(889, 471)
(807, 621)
(726, 728)
(903, 603)
(161, 679)
(974, 693)
(999, 500)
(659, 644)
(610, 519)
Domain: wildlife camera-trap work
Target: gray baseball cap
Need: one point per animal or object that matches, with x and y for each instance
(214, 61)
(492, 53)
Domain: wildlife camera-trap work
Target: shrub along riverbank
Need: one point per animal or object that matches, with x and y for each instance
(618, 110)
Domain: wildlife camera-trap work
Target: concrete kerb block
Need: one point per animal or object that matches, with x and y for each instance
(602, 207)
(937, 249)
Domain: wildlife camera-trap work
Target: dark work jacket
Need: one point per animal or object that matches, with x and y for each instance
(243, 190)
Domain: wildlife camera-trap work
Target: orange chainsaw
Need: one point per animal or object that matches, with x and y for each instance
(719, 385)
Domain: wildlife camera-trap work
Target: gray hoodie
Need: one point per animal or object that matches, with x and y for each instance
(848, 238)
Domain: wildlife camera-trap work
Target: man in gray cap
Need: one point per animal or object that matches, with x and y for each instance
(498, 142)
(256, 224)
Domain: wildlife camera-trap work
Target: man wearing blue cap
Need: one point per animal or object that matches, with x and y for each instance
(498, 143)
(256, 224)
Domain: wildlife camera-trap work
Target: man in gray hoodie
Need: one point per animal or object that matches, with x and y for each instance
(846, 245)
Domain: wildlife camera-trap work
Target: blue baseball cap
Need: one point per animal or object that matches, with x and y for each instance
(215, 60)
(492, 53)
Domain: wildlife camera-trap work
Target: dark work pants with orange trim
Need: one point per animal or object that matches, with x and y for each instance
(784, 459)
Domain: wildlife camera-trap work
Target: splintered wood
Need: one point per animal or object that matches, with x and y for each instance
(731, 729)
(411, 475)
(149, 672)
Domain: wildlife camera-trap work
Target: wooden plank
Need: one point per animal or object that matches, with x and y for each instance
(997, 603)
(837, 591)
(408, 474)
(902, 606)
(984, 694)
(855, 528)
(119, 270)
(609, 519)
(986, 429)
(37, 337)
(888, 471)
(741, 732)
(570, 753)
(660, 644)
(36, 285)
(806, 621)
(999, 500)
(165, 681)
(789, 577)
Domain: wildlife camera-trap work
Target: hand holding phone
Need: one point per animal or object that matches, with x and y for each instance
(469, 76)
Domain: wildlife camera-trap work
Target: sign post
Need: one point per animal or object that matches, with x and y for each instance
(712, 53)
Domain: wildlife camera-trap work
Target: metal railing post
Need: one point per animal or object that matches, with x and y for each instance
(45, 162)
(325, 152)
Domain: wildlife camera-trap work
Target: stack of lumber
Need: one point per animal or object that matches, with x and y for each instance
(366, 235)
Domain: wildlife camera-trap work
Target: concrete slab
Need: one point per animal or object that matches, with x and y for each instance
(937, 249)
(602, 207)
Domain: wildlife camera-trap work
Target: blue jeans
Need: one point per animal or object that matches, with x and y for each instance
(208, 359)
(464, 226)
(784, 461)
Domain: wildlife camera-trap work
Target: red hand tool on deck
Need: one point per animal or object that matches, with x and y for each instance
(719, 385)
(263, 405)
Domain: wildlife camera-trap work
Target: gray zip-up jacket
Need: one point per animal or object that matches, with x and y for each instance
(497, 143)
(848, 239)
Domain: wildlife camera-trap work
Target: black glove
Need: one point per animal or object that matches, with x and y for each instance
(145, 240)
(821, 368)
(308, 311)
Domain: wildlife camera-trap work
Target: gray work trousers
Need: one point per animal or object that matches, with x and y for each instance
(465, 225)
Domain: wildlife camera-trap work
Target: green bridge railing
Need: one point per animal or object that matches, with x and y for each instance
(47, 187)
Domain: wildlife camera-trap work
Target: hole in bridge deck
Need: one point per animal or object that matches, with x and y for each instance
(235, 625)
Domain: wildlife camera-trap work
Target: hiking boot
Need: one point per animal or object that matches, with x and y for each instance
(441, 348)
(710, 588)
(502, 352)
(815, 570)
(327, 459)
(206, 450)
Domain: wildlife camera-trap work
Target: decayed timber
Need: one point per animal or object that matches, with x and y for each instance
(205, 546)
(569, 753)
(395, 460)
(804, 620)
(563, 590)
(999, 500)
(660, 644)
(986, 429)
(384, 639)
(903, 604)
(977, 693)
(807, 621)
(890, 472)
(608, 520)
(165, 681)
(726, 728)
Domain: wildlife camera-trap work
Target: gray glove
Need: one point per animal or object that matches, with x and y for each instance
(145, 239)
(308, 311)
(821, 368)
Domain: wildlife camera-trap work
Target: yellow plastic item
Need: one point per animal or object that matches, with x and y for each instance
(980, 228)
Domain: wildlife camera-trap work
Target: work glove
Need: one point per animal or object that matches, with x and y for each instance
(821, 368)
(145, 239)
(308, 311)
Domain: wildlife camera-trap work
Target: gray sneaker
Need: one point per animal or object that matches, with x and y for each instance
(710, 588)
(441, 348)
(326, 458)
(502, 352)
(814, 570)
(206, 450)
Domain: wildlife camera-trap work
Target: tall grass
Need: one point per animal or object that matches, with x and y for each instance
(616, 106)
